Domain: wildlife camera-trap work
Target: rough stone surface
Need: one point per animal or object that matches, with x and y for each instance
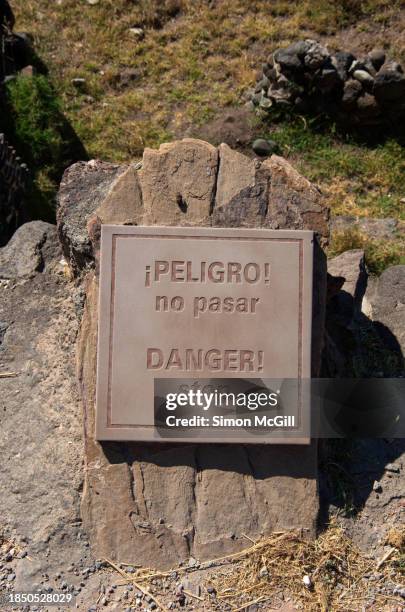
(41, 423)
(387, 300)
(159, 505)
(178, 182)
(31, 249)
(364, 320)
(82, 190)
(305, 77)
(270, 193)
(351, 266)
(130, 488)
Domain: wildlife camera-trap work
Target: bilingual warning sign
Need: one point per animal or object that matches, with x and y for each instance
(190, 305)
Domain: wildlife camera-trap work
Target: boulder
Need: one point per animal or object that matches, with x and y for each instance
(93, 179)
(178, 182)
(351, 266)
(387, 300)
(41, 420)
(31, 249)
(316, 56)
(270, 193)
(159, 504)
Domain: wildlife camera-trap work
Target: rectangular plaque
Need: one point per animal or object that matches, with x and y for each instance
(199, 303)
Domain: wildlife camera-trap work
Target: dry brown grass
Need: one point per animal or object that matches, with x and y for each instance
(274, 568)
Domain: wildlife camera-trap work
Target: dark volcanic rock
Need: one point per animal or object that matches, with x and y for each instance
(355, 91)
(389, 85)
(75, 209)
(352, 90)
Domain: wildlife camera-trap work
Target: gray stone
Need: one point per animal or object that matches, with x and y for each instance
(76, 205)
(389, 85)
(377, 58)
(351, 91)
(388, 306)
(328, 80)
(351, 266)
(342, 60)
(29, 250)
(363, 76)
(263, 147)
(288, 60)
(368, 107)
(316, 56)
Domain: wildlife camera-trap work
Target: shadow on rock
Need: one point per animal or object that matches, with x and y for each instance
(364, 339)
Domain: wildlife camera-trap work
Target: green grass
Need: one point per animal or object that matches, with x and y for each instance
(196, 59)
(359, 179)
(35, 126)
(379, 254)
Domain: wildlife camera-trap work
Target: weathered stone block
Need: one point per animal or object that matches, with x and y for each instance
(159, 504)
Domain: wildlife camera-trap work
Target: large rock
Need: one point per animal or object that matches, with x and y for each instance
(31, 248)
(160, 504)
(351, 266)
(83, 188)
(387, 299)
(178, 182)
(42, 448)
(270, 193)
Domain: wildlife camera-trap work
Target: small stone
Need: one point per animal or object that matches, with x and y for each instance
(377, 58)
(92, 2)
(152, 606)
(28, 71)
(363, 77)
(104, 601)
(288, 59)
(265, 103)
(392, 467)
(377, 487)
(11, 577)
(307, 581)
(264, 147)
(79, 82)
(137, 32)
(263, 572)
(351, 91)
(211, 590)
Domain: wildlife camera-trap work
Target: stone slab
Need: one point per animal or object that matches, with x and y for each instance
(165, 296)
